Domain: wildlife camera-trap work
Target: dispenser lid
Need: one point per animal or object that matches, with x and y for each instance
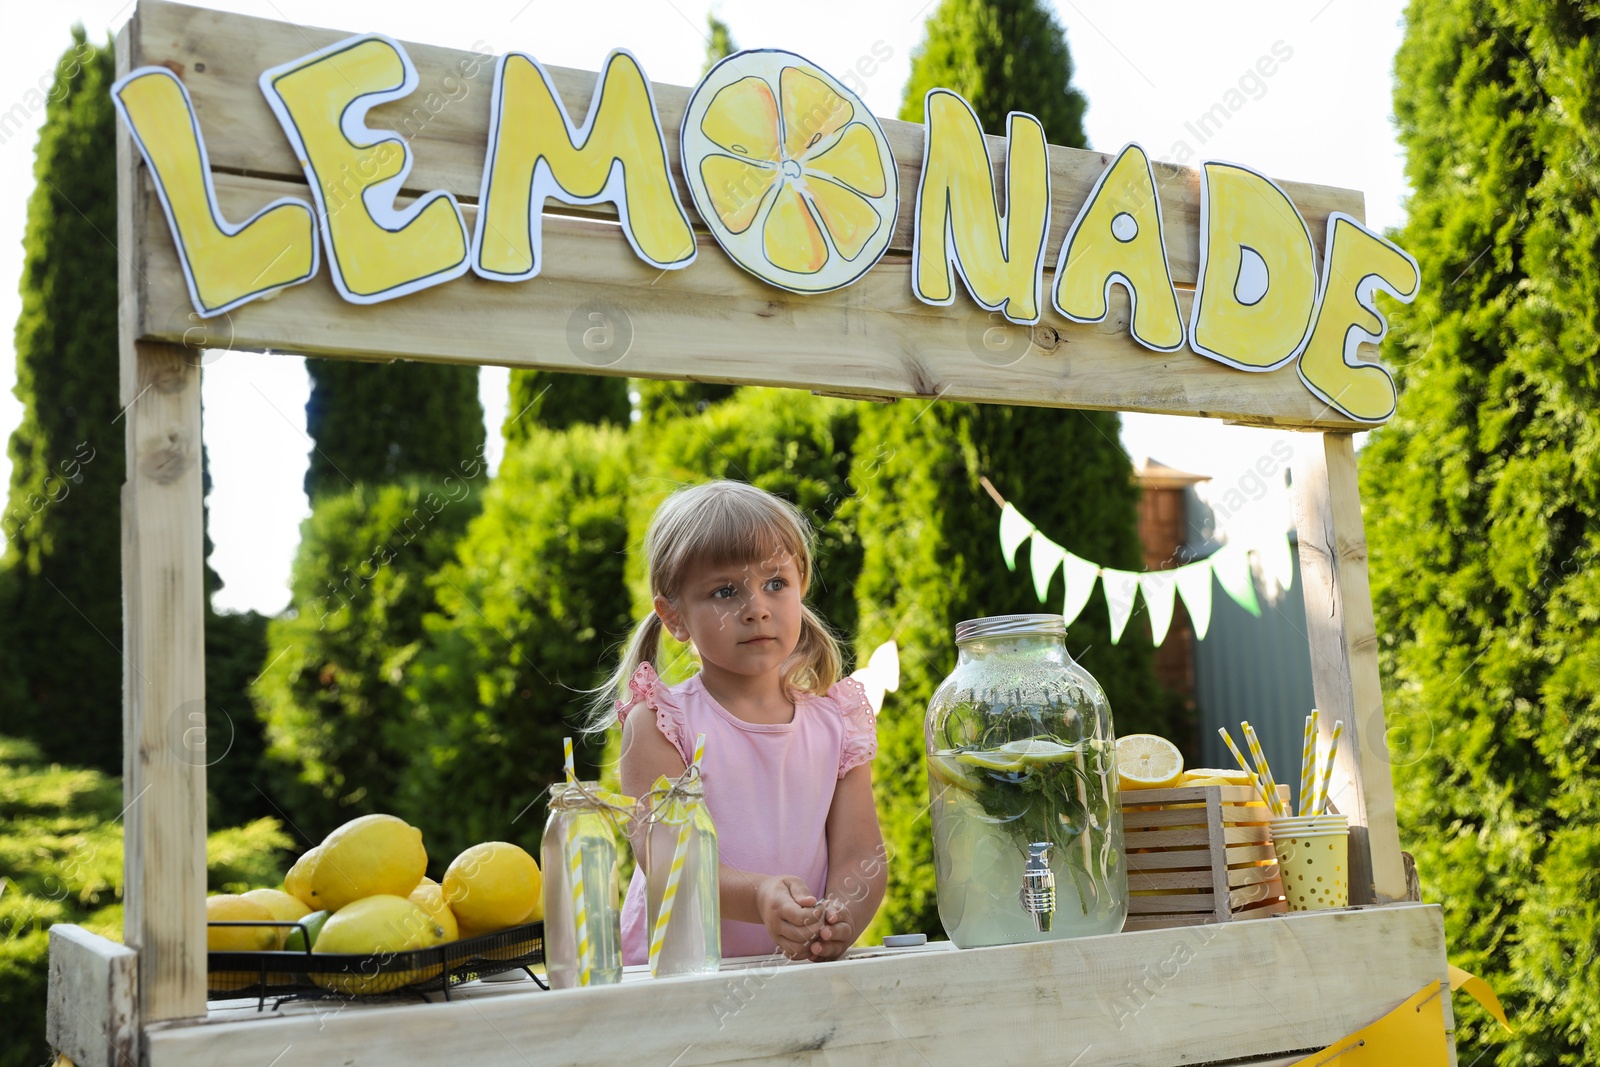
(1011, 626)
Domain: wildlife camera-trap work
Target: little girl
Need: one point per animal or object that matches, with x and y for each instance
(787, 768)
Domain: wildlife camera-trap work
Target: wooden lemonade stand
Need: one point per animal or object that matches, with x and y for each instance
(1267, 991)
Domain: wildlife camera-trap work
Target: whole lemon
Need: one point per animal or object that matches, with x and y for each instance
(230, 907)
(283, 907)
(492, 886)
(429, 896)
(382, 923)
(369, 856)
(297, 883)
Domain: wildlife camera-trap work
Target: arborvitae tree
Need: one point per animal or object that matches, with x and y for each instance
(927, 527)
(555, 401)
(340, 728)
(1483, 509)
(529, 609)
(63, 617)
(719, 42)
(1003, 56)
(376, 423)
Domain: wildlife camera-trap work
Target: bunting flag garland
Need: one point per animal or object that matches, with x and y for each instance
(881, 674)
(1192, 582)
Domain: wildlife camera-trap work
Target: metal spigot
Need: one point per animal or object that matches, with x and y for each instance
(1039, 887)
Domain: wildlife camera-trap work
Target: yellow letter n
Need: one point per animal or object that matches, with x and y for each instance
(959, 223)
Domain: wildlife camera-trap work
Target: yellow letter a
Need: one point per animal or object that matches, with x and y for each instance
(224, 265)
(535, 152)
(375, 251)
(1117, 240)
(1356, 262)
(959, 223)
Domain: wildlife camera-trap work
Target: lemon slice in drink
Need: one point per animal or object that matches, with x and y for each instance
(1038, 750)
(1145, 761)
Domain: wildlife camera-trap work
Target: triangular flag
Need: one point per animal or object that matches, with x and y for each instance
(1413, 1034)
(1194, 585)
(880, 675)
(1080, 576)
(1120, 587)
(1014, 529)
(1232, 568)
(1046, 556)
(1277, 561)
(1157, 587)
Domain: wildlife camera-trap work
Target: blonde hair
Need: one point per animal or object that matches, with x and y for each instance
(723, 523)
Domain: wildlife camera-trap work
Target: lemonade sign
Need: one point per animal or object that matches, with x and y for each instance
(795, 180)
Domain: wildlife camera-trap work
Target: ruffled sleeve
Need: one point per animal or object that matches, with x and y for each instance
(646, 688)
(860, 724)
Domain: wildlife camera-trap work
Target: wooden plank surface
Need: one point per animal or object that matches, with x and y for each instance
(715, 323)
(91, 1015)
(164, 776)
(1344, 660)
(446, 121)
(1307, 979)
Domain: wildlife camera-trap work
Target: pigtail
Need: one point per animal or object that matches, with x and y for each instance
(644, 644)
(816, 661)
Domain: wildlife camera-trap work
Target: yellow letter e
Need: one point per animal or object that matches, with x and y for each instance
(1356, 263)
(376, 251)
(224, 265)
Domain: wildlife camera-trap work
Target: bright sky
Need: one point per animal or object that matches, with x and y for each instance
(1148, 69)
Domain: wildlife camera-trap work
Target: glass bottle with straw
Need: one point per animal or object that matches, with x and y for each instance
(582, 917)
(682, 902)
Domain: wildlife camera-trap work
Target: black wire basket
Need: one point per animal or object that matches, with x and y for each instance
(238, 975)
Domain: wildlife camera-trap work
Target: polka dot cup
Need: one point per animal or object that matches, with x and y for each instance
(1314, 861)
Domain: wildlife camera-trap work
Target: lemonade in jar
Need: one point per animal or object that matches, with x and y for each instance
(1022, 786)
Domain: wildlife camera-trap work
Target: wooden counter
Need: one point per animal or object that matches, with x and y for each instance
(1268, 990)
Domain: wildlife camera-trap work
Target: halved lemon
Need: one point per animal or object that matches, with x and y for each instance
(789, 170)
(1145, 761)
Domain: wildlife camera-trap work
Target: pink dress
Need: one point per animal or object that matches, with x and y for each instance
(768, 787)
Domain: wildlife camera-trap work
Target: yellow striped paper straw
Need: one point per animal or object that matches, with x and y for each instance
(580, 913)
(659, 936)
(1308, 764)
(680, 853)
(1327, 771)
(1245, 767)
(1267, 780)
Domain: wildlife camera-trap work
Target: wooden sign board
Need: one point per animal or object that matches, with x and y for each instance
(596, 307)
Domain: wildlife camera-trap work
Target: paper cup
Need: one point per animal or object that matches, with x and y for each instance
(1314, 861)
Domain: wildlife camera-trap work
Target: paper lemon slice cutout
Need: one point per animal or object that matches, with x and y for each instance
(790, 171)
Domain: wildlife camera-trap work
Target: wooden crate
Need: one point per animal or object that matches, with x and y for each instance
(1199, 854)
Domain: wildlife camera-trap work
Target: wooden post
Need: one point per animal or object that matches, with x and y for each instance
(163, 612)
(1344, 659)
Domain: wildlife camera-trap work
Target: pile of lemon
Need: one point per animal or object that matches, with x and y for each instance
(365, 890)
